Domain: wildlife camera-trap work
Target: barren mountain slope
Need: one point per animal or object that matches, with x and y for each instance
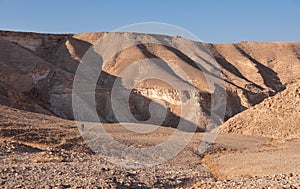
(276, 117)
(30, 82)
(252, 72)
(20, 71)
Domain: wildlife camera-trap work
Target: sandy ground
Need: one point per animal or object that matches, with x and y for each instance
(59, 158)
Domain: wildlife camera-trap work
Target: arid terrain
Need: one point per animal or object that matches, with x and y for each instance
(258, 145)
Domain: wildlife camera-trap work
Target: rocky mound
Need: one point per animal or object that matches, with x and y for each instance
(276, 117)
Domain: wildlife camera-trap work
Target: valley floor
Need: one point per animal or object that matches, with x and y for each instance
(38, 151)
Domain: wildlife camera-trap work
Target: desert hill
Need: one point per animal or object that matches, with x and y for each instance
(37, 72)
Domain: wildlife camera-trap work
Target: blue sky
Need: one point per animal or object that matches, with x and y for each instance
(222, 21)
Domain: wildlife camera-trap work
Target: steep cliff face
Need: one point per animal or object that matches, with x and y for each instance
(37, 72)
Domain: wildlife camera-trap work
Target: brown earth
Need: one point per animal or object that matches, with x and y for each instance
(45, 151)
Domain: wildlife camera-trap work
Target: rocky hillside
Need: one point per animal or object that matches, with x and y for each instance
(275, 117)
(37, 72)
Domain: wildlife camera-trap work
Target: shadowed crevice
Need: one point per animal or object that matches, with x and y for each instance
(269, 76)
(231, 68)
(191, 62)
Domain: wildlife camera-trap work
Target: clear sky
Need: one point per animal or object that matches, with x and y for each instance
(217, 21)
